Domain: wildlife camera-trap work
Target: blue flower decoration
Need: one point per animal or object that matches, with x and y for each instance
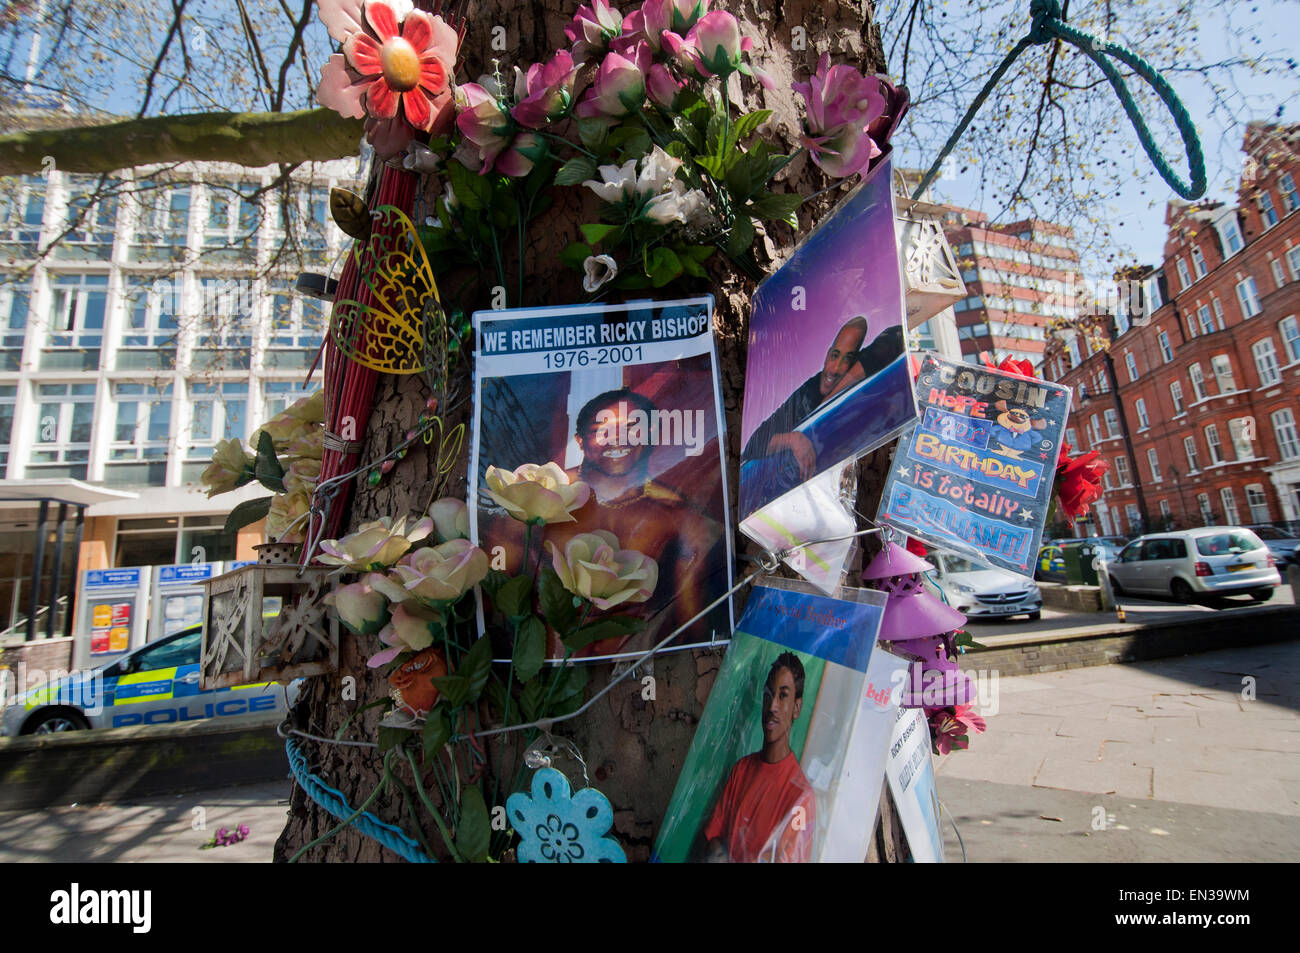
(556, 826)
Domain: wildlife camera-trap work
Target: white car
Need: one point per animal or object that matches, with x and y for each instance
(978, 591)
(1197, 563)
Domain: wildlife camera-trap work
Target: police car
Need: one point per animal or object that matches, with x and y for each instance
(154, 685)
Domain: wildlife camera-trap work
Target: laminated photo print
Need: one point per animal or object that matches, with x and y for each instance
(975, 476)
(625, 399)
(783, 750)
(826, 376)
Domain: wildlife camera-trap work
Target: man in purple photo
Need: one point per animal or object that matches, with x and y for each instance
(847, 364)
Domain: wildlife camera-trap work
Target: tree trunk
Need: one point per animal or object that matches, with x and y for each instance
(634, 747)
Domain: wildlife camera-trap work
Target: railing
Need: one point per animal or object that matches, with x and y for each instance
(20, 626)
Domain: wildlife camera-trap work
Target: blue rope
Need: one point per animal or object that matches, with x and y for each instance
(337, 805)
(1047, 26)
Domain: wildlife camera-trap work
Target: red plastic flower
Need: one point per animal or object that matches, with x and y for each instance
(950, 728)
(1010, 365)
(394, 71)
(1078, 480)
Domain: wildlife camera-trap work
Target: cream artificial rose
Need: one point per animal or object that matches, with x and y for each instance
(286, 522)
(441, 573)
(593, 567)
(374, 545)
(230, 462)
(450, 519)
(359, 606)
(535, 493)
(411, 629)
(302, 476)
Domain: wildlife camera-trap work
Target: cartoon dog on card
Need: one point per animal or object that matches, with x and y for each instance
(1013, 430)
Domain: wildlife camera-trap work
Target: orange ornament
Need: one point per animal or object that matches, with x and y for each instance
(412, 683)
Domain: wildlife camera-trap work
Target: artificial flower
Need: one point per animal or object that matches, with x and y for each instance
(549, 91)
(617, 182)
(286, 521)
(537, 494)
(592, 28)
(412, 685)
(410, 629)
(658, 169)
(1011, 365)
(302, 475)
(441, 573)
(663, 87)
(950, 728)
(592, 567)
(374, 545)
(359, 607)
(308, 445)
(231, 467)
(420, 158)
(450, 519)
(493, 140)
(395, 71)
(1078, 481)
(841, 103)
(599, 269)
(619, 87)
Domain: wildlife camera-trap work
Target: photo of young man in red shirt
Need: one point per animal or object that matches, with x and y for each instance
(766, 811)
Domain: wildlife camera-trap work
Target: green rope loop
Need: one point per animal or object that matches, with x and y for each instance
(1047, 26)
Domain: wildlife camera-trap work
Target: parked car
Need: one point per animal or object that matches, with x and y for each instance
(1197, 563)
(154, 685)
(1051, 563)
(1284, 546)
(978, 591)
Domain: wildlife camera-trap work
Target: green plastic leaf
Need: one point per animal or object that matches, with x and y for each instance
(474, 828)
(595, 234)
(567, 697)
(514, 598)
(476, 667)
(749, 173)
(663, 266)
(713, 135)
(250, 511)
(388, 738)
(556, 601)
(593, 133)
(437, 732)
(611, 628)
(691, 257)
(530, 699)
(473, 191)
(574, 254)
(266, 467)
(746, 125)
(686, 129)
(530, 648)
(453, 689)
(634, 140)
(777, 207)
(741, 238)
(576, 171)
(714, 166)
(493, 581)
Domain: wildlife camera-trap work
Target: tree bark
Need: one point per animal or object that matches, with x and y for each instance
(249, 139)
(634, 747)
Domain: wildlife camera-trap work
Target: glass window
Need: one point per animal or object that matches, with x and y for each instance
(1284, 429)
(1293, 262)
(1184, 276)
(1279, 276)
(1121, 470)
(1266, 210)
(1203, 504)
(1229, 501)
(1218, 312)
(152, 309)
(1166, 350)
(65, 413)
(1094, 429)
(1231, 233)
(1134, 518)
(8, 397)
(1144, 422)
(77, 306)
(1248, 297)
(1222, 544)
(1071, 437)
(1164, 510)
(1257, 502)
(1198, 381)
(181, 651)
(1153, 461)
(1221, 365)
(1176, 392)
(1212, 441)
(1240, 430)
(91, 225)
(142, 422)
(1207, 321)
(1266, 362)
(1112, 422)
(226, 311)
(1198, 262)
(217, 412)
(1130, 362)
(1286, 185)
(1193, 460)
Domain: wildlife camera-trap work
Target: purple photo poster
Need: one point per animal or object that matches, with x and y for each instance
(827, 376)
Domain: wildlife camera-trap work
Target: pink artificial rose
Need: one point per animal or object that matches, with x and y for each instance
(620, 85)
(549, 91)
(841, 103)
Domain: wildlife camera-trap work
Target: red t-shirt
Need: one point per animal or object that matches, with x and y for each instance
(755, 815)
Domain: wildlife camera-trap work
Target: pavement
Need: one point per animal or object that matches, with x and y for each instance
(1188, 759)
(1138, 612)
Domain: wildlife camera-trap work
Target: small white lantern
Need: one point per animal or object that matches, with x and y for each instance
(930, 273)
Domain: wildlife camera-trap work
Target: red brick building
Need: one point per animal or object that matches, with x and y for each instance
(1019, 277)
(1191, 389)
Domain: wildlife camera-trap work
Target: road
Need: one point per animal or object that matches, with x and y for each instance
(1138, 611)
